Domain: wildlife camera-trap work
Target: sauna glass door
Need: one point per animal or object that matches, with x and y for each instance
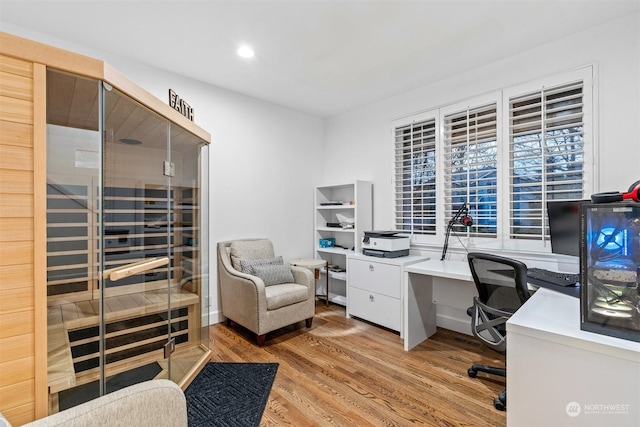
(74, 212)
(125, 243)
(138, 263)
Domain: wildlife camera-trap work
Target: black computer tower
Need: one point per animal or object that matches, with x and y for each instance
(610, 269)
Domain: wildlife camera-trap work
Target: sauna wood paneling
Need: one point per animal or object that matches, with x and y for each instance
(20, 414)
(17, 371)
(15, 86)
(16, 181)
(16, 66)
(16, 253)
(17, 292)
(16, 205)
(16, 158)
(17, 299)
(16, 110)
(16, 323)
(16, 134)
(13, 229)
(15, 347)
(17, 394)
(16, 276)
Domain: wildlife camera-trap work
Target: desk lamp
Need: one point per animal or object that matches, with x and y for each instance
(465, 219)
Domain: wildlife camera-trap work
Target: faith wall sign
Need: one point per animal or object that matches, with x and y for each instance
(180, 105)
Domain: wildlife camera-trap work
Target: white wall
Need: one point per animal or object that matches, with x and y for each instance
(264, 159)
(359, 143)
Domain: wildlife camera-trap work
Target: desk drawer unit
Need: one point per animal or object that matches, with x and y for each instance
(383, 279)
(380, 309)
(374, 288)
(374, 292)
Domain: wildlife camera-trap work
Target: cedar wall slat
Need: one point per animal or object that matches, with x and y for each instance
(17, 346)
(16, 181)
(14, 229)
(16, 134)
(16, 158)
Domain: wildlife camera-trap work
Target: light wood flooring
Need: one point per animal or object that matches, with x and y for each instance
(347, 372)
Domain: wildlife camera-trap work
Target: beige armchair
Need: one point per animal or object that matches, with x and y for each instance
(148, 404)
(261, 292)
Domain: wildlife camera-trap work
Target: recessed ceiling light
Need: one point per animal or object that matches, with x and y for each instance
(245, 51)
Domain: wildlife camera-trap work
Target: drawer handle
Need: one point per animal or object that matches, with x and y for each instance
(371, 298)
(370, 267)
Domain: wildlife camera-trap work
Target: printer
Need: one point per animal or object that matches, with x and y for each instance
(385, 244)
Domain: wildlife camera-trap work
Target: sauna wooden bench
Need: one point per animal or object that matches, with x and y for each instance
(65, 317)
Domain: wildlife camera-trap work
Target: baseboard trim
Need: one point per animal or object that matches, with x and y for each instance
(215, 317)
(451, 323)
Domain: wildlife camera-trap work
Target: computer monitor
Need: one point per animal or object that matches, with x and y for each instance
(564, 226)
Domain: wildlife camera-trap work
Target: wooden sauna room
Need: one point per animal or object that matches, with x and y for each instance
(103, 264)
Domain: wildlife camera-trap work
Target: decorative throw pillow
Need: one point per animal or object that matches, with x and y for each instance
(273, 274)
(247, 265)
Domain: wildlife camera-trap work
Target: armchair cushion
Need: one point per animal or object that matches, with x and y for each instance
(273, 274)
(250, 249)
(285, 294)
(248, 265)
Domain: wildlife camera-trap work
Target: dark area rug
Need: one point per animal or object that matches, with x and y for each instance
(230, 394)
(86, 392)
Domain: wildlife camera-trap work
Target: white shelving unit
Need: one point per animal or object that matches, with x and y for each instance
(353, 201)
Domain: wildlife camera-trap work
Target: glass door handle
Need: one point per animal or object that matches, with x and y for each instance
(138, 267)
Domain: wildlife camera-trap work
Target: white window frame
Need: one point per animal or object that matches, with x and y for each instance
(590, 146)
(403, 122)
(470, 239)
(501, 98)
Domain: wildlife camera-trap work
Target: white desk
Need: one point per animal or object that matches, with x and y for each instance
(559, 375)
(437, 293)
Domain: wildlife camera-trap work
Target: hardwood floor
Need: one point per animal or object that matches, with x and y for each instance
(346, 372)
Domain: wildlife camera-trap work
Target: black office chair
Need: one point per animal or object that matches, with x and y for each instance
(502, 289)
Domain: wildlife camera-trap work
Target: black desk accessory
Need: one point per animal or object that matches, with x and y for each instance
(465, 220)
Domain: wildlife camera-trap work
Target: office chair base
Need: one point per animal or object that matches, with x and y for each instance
(473, 370)
(500, 402)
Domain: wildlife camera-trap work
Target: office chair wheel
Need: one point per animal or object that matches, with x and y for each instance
(500, 402)
(472, 372)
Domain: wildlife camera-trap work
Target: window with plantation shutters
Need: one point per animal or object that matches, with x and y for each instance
(546, 154)
(504, 154)
(415, 177)
(470, 168)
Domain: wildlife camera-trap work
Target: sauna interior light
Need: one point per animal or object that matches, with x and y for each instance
(130, 141)
(245, 51)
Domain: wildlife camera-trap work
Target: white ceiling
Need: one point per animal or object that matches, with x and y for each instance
(319, 57)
